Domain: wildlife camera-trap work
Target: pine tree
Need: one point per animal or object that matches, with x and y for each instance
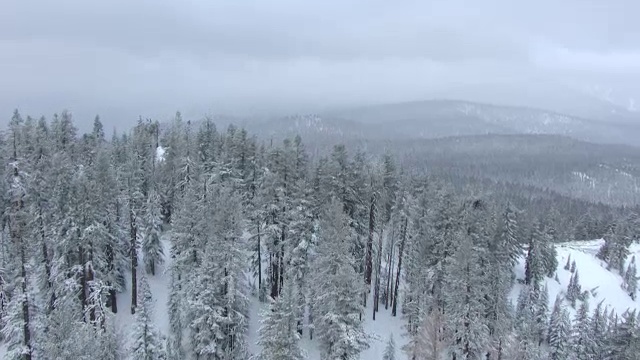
(147, 342)
(631, 279)
(541, 256)
(624, 340)
(597, 332)
(337, 297)
(152, 250)
(559, 332)
(581, 339)
(541, 313)
(390, 349)
(175, 350)
(428, 342)
(278, 334)
(18, 328)
(466, 324)
(567, 266)
(574, 290)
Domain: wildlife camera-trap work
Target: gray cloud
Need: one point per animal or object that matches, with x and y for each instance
(124, 58)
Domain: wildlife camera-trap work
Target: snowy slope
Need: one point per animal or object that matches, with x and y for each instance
(605, 285)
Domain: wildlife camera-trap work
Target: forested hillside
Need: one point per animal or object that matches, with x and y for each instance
(324, 243)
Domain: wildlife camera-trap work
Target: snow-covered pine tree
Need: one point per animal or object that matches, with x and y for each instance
(390, 349)
(464, 312)
(18, 321)
(559, 332)
(217, 300)
(574, 289)
(509, 246)
(152, 249)
(597, 331)
(624, 341)
(548, 251)
(616, 246)
(581, 338)
(541, 313)
(527, 328)
(631, 279)
(187, 248)
(567, 266)
(278, 335)
(147, 343)
(541, 256)
(503, 250)
(339, 324)
(428, 342)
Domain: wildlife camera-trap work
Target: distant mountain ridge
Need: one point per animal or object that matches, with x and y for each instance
(443, 118)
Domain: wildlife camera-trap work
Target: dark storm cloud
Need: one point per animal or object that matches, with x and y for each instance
(153, 57)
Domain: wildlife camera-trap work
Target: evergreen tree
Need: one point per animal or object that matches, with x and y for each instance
(567, 266)
(279, 337)
(339, 327)
(541, 313)
(625, 337)
(390, 349)
(574, 290)
(152, 250)
(581, 339)
(428, 342)
(631, 279)
(597, 333)
(147, 342)
(466, 324)
(18, 329)
(559, 332)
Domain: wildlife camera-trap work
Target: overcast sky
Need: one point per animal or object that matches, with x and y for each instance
(124, 58)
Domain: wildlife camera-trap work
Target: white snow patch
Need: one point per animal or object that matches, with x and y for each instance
(160, 154)
(379, 330)
(159, 285)
(605, 285)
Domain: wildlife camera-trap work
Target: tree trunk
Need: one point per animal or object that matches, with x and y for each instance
(83, 281)
(26, 329)
(275, 273)
(16, 227)
(259, 248)
(376, 291)
(133, 252)
(47, 260)
(111, 300)
(388, 289)
(368, 269)
(281, 259)
(89, 279)
(394, 307)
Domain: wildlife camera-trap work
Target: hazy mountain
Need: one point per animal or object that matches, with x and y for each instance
(442, 118)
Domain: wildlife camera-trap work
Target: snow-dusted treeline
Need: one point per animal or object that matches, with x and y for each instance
(326, 244)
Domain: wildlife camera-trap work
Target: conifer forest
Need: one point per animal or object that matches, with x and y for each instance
(322, 243)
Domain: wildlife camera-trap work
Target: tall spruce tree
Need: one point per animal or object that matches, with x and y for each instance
(339, 325)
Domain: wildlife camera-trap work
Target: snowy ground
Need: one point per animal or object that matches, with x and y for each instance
(604, 284)
(379, 330)
(159, 285)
